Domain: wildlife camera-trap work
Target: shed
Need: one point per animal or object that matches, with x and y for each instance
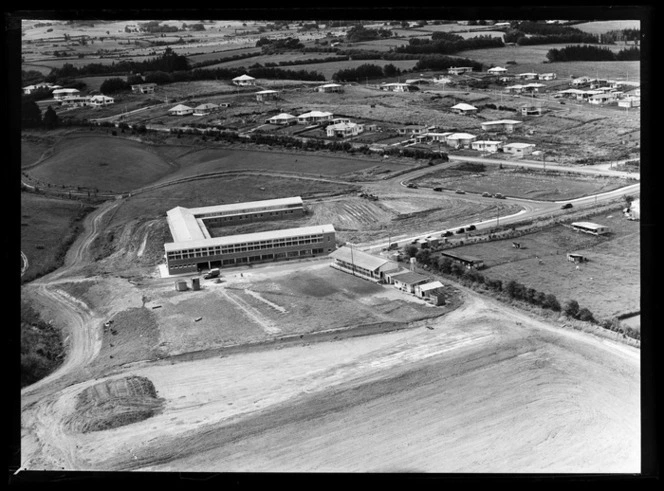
(467, 261)
(408, 281)
(576, 258)
(497, 70)
(423, 289)
(196, 284)
(519, 149)
(264, 95)
(180, 285)
(490, 146)
(590, 227)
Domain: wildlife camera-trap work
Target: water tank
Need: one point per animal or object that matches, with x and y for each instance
(180, 285)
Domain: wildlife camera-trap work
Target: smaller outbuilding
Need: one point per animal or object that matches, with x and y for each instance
(408, 281)
(424, 290)
(576, 258)
(283, 119)
(143, 88)
(413, 129)
(519, 149)
(336, 88)
(467, 261)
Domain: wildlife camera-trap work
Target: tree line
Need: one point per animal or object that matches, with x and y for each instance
(530, 33)
(448, 44)
(364, 72)
(592, 53)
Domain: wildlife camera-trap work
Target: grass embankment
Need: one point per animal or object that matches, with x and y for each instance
(42, 349)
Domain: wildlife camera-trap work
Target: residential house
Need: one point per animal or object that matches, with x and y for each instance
(459, 70)
(604, 98)
(463, 108)
(314, 117)
(62, 94)
(578, 82)
(244, 80)
(490, 146)
(433, 137)
(362, 264)
(519, 149)
(413, 129)
(506, 125)
(205, 109)
(330, 88)
(181, 110)
(344, 130)
(424, 290)
(282, 119)
(460, 140)
(101, 100)
(407, 281)
(398, 87)
(497, 70)
(528, 110)
(528, 76)
(547, 76)
(143, 88)
(265, 95)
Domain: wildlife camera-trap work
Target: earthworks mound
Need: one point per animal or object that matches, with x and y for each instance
(115, 403)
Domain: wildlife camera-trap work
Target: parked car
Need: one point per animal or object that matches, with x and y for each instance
(447, 233)
(461, 230)
(460, 191)
(213, 273)
(486, 195)
(392, 246)
(411, 185)
(566, 206)
(438, 189)
(471, 227)
(499, 196)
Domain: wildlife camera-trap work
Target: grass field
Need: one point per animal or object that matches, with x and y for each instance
(275, 58)
(106, 163)
(520, 184)
(48, 226)
(598, 27)
(608, 284)
(32, 150)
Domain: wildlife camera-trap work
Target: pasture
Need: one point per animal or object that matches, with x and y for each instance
(599, 27)
(608, 284)
(274, 58)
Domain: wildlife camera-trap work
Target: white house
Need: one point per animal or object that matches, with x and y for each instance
(62, 94)
(527, 110)
(433, 137)
(205, 109)
(413, 129)
(515, 89)
(265, 95)
(344, 130)
(330, 88)
(490, 146)
(580, 81)
(101, 100)
(143, 88)
(519, 149)
(244, 80)
(548, 76)
(29, 89)
(460, 140)
(458, 70)
(398, 87)
(604, 98)
(423, 289)
(528, 76)
(313, 117)
(283, 119)
(630, 102)
(463, 108)
(497, 70)
(181, 110)
(507, 125)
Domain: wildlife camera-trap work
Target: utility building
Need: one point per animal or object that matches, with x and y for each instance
(362, 264)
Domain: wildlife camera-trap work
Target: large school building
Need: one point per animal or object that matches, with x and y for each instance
(193, 249)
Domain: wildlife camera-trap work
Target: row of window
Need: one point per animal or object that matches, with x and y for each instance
(258, 258)
(252, 211)
(245, 247)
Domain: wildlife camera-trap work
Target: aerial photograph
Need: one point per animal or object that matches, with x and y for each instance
(329, 245)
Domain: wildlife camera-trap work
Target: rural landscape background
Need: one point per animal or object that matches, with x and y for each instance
(531, 365)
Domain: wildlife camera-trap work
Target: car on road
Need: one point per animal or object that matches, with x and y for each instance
(411, 185)
(461, 230)
(213, 273)
(460, 191)
(438, 189)
(447, 233)
(567, 206)
(486, 194)
(499, 196)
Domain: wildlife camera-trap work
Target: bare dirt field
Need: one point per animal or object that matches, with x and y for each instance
(608, 284)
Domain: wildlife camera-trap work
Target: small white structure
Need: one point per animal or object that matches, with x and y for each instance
(630, 102)
(313, 117)
(181, 110)
(460, 140)
(244, 80)
(265, 95)
(205, 109)
(490, 146)
(590, 228)
(423, 289)
(497, 70)
(463, 108)
(519, 149)
(282, 119)
(344, 130)
(507, 125)
(101, 100)
(398, 87)
(459, 70)
(62, 94)
(330, 88)
(548, 76)
(528, 76)
(143, 88)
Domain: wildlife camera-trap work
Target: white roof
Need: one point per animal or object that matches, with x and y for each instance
(248, 205)
(497, 69)
(65, 91)
(430, 286)
(244, 77)
(253, 237)
(181, 107)
(464, 107)
(208, 105)
(534, 85)
(359, 258)
(315, 114)
(488, 142)
(502, 121)
(327, 86)
(342, 126)
(571, 91)
(100, 97)
(283, 116)
(519, 145)
(527, 73)
(267, 92)
(183, 225)
(587, 225)
(460, 136)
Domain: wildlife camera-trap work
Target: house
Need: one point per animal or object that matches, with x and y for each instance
(441, 80)
(547, 76)
(101, 100)
(344, 130)
(265, 95)
(630, 102)
(602, 98)
(532, 87)
(362, 264)
(398, 87)
(407, 281)
(143, 88)
(62, 94)
(413, 129)
(571, 93)
(424, 290)
(76, 101)
(527, 76)
(514, 89)
(330, 88)
(467, 261)
(460, 140)
(497, 70)
(506, 125)
(29, 89)
(418, 81)
(282, 119)
(577, 82)
(339, 120)
(590, 228)
(458, 70)
(205, 109)
(519, 149)
(181, 110)
(527, 110)
(314, 117)
(490, 146)
(432, 137)
(244, 80)
(463, 108)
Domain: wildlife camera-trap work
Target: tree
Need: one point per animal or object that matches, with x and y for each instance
(390, 70)
(51, 119)
(411, 250)
(551, 302)
(585, 315)
(113, 85)
(423, 256)
(30, 114)
(445, 264)
(571, 308)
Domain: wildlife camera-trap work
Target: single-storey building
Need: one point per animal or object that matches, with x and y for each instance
(547, 76)
(423, 290)
(497, 70)
(433, 137)
(532, 87)
(519, 149)
(62, 94)
(630, 102)
(143, 88)
(314, 117)
(265, 95)
(527, 76)
(205, 109)
(604, 98)
(507, 125)
(29, 89)
(515, 89)
(460, 140)
(282, 119)
(408, 281)
(101, 100)
(362, 264)
(458, 70)
(571, 93)
(577, 82)
(76, 101)
(344, 130)
(576, 258)
(413, 129)
(490, 146)
(463, 108)
(527, 110)
(330, 88)
(467, 261)
(441, 80)
(181, 110)
(398, 87)
(590, 228)
(244, 80)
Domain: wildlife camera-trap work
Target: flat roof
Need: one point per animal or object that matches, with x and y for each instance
(247, 205)
(183, 225)
(587, 225)
(463, 105)
(473, 259)
(359, 258)
(253, 237)
(503, 121)
(431, 286)
(410, 278)
(519, 145)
